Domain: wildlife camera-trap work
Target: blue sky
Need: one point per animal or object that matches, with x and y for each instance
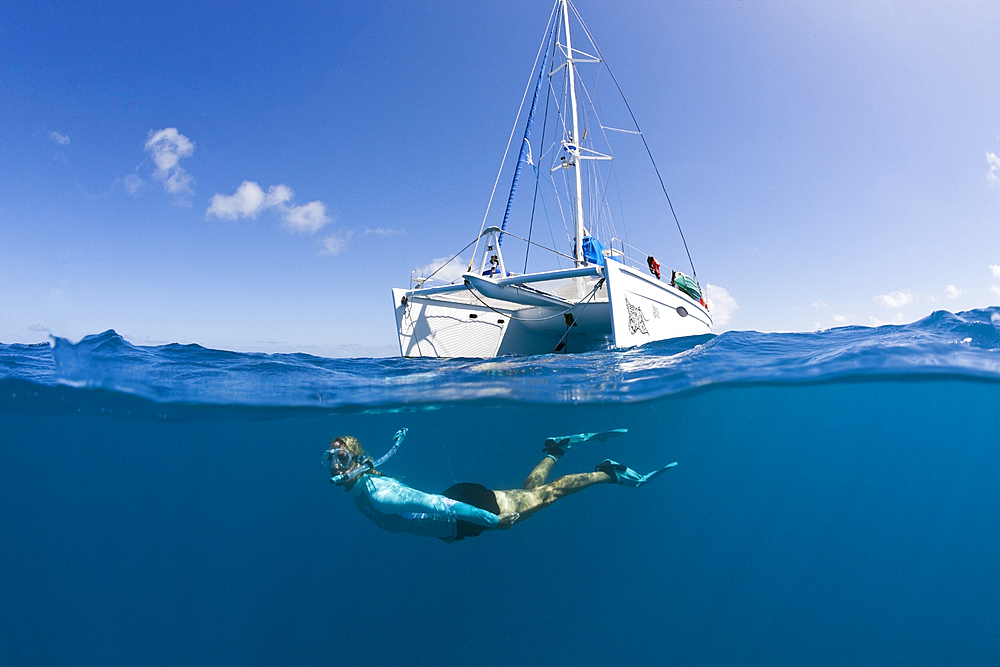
(832, 163)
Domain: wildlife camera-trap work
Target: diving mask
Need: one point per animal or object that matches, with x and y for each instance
(338, 456)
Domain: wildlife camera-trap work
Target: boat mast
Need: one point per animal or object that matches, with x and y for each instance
(573, 146)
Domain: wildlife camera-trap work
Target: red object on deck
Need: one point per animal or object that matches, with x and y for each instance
(654, 266)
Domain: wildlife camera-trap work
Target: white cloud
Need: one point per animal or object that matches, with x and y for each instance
(38, 328)
(895, 299)
(277, 195)
(333, 244)
(178, 181)
(307, 218)
(720, 304)
(250, 200)
(132, 183)
(61, 139)
(993, 177)
(247, 202)
(167, 147)
(383, 231)
(447, 273)
(995, 270)
(995, 290)
(953, 292)
(842, 320)
(820, 304)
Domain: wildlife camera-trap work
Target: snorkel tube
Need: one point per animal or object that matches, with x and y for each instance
(366, 464)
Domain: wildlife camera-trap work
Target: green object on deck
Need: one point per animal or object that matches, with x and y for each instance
(687, 285)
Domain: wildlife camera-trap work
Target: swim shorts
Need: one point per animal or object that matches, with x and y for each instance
(476, 495)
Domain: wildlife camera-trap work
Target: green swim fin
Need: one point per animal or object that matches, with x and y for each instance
(560, 444)
(628, 477)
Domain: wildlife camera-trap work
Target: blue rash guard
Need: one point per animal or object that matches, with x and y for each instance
(395, 507)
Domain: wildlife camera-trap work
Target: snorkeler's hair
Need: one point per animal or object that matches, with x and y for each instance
(353, 445)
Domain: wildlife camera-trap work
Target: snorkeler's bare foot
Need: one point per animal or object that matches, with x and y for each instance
(507, 520)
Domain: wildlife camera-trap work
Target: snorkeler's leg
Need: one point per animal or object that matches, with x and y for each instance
(528, 501)
(556, 446)
(541, 472)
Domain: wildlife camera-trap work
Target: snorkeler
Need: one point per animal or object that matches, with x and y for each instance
(465, 509)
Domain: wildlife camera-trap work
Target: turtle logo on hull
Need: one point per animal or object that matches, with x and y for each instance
(636, 320)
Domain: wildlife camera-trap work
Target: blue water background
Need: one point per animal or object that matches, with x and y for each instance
(837, 501)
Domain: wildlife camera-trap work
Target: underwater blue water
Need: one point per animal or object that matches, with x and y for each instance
(837, 501)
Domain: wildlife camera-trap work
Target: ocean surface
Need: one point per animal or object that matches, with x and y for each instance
(836, 502)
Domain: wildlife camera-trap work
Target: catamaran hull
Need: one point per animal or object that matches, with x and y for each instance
(437, 327)
(632, 309)
(644, 309)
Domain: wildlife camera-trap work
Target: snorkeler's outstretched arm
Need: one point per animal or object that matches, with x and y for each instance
(390, 496)
(473, 514)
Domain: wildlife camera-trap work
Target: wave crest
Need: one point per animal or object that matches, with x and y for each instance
(963, 344)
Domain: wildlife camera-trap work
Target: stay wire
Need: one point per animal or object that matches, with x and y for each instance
(511, 138)
(643, 137)
(538, 174)
(452, 259)
(535, 243)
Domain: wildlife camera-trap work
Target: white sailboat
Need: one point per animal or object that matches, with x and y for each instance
(609, 296)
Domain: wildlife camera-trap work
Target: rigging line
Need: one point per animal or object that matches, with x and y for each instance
(611, 220)
(548, 219)
(559, 198)
(511, 138)
(592, 99)
(594, 200)
(538, 174)
(552, 234)
(643, 136)
(593, 292)
(559, 110)
(621, 209)
(618, 129)
(552, 250)
(523, 155)
(452, 260)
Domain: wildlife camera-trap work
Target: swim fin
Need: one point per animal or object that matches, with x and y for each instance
(560, 444)
(628, 477)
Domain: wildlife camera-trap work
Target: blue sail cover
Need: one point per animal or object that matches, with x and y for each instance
(525, 146)
(593, 251)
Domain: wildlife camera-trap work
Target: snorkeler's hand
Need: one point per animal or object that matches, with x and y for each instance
(508, 520)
